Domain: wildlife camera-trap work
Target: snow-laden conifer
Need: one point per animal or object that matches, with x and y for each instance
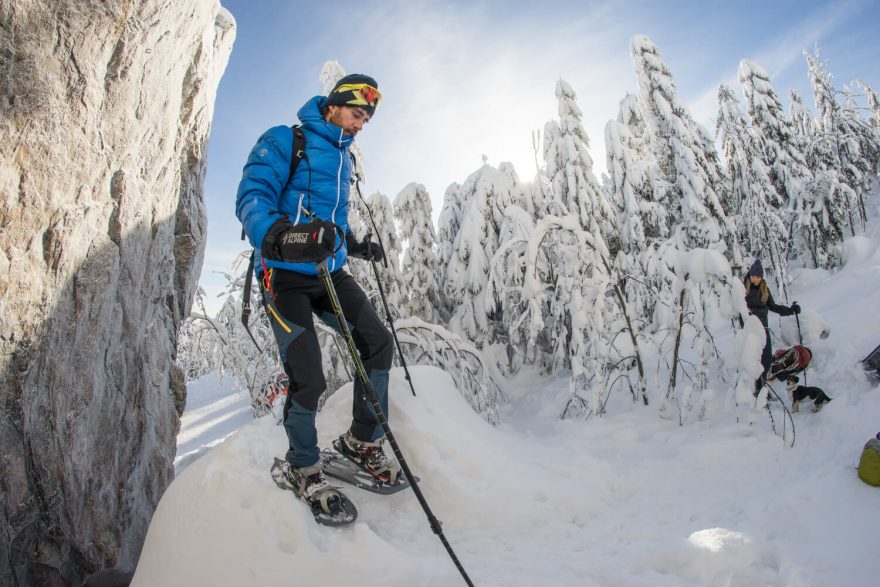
(420, 271)
(635, 183)
(860, 144)
(380, 212)
(505, 287)
(811, 235)
(873, 104)
(871, 140)
(836, 154)
(448, 225)
(637, 191)
(538, 194)
(685, 155)
(762, 231)
(804, 125)
(777, 144)
(569, 167)
(475, 243)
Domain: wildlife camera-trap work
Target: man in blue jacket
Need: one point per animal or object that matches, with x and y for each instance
(294, 223)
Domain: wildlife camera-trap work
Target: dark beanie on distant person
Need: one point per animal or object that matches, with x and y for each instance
(356, 90)
(757, 269)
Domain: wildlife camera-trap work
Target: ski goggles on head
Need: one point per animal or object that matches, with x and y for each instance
(363, 95)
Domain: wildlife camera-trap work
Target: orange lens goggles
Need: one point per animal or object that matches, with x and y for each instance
(370, 95)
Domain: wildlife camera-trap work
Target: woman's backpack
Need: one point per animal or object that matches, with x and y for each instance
(788, 362)
(869, 464)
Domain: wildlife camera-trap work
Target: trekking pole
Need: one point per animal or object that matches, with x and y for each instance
(370, 393)
(801, 339)
(357, 187)
(390, 320)
(785, 411)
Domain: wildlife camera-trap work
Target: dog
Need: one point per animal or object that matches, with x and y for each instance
(800, 392)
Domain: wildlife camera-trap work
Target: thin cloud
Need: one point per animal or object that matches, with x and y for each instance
(782, 53)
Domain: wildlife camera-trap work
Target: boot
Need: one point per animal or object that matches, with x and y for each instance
(310, 485)
(369, 456)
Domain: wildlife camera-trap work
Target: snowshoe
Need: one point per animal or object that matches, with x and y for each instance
(364, 465)
(328, 504)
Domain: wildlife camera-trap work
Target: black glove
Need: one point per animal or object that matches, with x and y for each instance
(366, 249)
(795, 309)
(303, 243)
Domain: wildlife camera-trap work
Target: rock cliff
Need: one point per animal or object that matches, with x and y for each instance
(105, 111)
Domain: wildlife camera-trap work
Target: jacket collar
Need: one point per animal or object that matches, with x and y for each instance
(310, 116)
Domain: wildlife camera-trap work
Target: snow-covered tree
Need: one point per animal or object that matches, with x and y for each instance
(873, 104)
(565, 283)
(223, 343)
(431, 344)
(687, 160)
(870, 141)
(507, 191)
(777, 145)
(537, 196)
(504, 287)
(803, 124)
(635, 183)
(569, 167)
(761, 229)
(448, 225)
(841, 179)
(476, 241)
(552, 279)
(331, 72)
(420, 272)
(378, 222)
(861, 142)
(637, 191)
(812, 240)
(193, 351)
(708, 297)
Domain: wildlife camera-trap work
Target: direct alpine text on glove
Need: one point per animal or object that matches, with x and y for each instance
(304, 243)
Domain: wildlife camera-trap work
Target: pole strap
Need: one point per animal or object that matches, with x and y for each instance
(246, 301)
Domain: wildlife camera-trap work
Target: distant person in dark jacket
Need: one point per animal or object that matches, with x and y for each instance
(760, 302)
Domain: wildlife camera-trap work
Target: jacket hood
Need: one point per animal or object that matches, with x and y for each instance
(311, 118)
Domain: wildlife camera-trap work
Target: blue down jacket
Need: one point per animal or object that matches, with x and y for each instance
(321, 183)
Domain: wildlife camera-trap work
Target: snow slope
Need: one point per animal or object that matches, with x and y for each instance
(626, 500)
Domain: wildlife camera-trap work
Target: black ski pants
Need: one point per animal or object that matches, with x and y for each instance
(291, 300)
(766, 358)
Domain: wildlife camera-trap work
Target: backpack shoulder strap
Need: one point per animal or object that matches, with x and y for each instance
(299, 149)
(299, 153)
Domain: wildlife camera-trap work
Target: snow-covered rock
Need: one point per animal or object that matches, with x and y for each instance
(105, 111)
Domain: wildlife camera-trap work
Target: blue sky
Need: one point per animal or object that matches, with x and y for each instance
(465, 79)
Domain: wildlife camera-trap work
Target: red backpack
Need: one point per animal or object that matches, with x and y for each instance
(787, 362)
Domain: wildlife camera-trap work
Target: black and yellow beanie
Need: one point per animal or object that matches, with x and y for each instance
(356, 90)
